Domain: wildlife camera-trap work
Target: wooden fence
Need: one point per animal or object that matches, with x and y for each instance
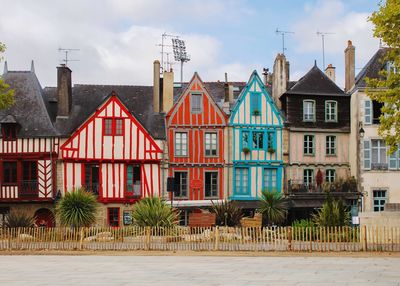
(322, 239)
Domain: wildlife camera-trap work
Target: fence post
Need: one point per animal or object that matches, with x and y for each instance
(365, 246)
(310, 238)
(216, 243)
(147, 242)
(81, 238)
(290, 238)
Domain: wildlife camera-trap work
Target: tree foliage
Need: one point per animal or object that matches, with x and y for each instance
(332, 213)
(386, 88)
(6, 93)
(153, 212)
(274, 207)
(227, 213)
(77, 208)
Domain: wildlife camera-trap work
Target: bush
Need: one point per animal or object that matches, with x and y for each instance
(154, 212)
(77, 208)
(19, 219)
(332, 213)
(303, 223)
(274, 207)
(227, 213)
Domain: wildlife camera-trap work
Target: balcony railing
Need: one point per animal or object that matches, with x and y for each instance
(298, 186)
(29, 189)
(340, 185)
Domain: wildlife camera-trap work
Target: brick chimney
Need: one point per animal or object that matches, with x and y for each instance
(280, 78)
(167, 91)
(228, 90)
(349, 65)
(64, 91)
(330, 71)
(156, 86)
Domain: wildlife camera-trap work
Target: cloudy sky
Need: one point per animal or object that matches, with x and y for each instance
(117, 39)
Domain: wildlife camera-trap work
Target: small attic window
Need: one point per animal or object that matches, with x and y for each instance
(390, 67)
(9, 131)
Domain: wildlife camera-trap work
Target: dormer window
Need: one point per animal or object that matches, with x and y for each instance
(390, 67)
(330, 111)
(9, 131)
(309, 110)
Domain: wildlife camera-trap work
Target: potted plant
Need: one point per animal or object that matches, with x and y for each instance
(256, 112)
(271, 150)
(246, 150)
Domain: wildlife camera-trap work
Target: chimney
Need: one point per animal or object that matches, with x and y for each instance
(330, 71)
(349, 64)
(168, 91)
(280, 78)
(5, 68)
(228, 90)
(32, 67)
(156, 86)
(64, 91)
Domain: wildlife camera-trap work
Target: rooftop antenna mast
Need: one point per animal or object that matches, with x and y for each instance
(180, 55)
(323, 34)
(283, 33)
(164, 36)
(66, 52)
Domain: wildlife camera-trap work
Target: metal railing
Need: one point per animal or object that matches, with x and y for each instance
(29, 188)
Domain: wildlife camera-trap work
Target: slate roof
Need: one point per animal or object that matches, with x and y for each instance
(86, 98)
(29, 109)
(315, 82)
(372, 68)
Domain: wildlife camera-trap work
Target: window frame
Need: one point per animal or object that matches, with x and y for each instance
(192, 101)
(180, 154)
(91, 165)
(255, 102)
(132, 193)
(9, 132)
(327, 108)
(328, 145)
(305, 101)
(180, 196)
(211, 144)
(313, 145)
(256, 145)
(242, 175)
(13, 176)
(312, 176)
(379, 149)
(217, 185)
(379, 199)
(273, 175)
(118, 212)
(329, 176)
(113, 131)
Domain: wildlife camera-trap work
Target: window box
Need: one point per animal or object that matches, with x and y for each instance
(256, 112)
(271, 150)
(246, 150)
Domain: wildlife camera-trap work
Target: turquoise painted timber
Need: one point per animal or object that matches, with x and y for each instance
(257, 142)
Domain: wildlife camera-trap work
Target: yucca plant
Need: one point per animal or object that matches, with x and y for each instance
(274, 207)
(154, 212)
(227, 213)
(19, 219)
(77, 208)
(332, 213)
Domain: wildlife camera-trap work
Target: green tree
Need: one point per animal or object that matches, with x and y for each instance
(77, 208)
(6, 93)
(274, 207)
(386, 89)
(154, 212)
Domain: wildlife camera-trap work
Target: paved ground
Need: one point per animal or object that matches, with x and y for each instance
(197, 270)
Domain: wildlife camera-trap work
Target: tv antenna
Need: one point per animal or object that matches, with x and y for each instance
(164, 36)
(283, 33)
(180, 55)
(323, 34)
(66, 52)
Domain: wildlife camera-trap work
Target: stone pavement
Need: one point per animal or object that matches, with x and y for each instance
(197, 270)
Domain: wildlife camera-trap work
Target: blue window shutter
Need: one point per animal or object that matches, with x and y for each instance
(393, 160)
(367, 154)
(368, 111)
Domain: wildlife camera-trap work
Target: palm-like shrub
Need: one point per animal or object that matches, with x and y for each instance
(19, 219)
(332, 213)
(227, 213)
(154, 212)
(77, 208)
(274, 207)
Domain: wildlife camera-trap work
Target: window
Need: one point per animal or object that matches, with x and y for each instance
(133, 183)
(241, 181)
(308, 145)
(378, 154)
(255, 102)
(258, 140)
(367, 111)
(377, 111)
(390, 67)
(269, 180)
(181, 183)
(180, 144)
(330, 111)
(113, 126)
(211, 144)
(394, 160)
(113, 217)
(271, 139)
(29, 178)
(330, 175)
(379, 200)
(211, 184)
(245, 139)
(195, 103)
(308, 176)
(330, 145)
(9, 131)
(308, 110)
(10, 173)
(367, 154)
(92, 178)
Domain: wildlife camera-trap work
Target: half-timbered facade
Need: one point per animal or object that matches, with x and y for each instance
(255, 143)
(28, 151)
(196, 138)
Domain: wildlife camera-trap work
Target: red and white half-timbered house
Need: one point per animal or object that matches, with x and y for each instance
(195, 134)
(28, 151)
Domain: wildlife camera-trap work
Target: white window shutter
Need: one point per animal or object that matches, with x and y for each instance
(368, 111)
(367, 154)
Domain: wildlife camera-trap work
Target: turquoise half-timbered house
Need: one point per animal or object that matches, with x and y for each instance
(256, 128)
